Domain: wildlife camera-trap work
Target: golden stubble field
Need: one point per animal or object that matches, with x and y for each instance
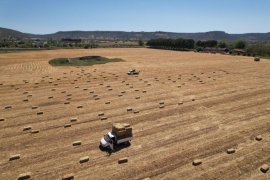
(186, 106)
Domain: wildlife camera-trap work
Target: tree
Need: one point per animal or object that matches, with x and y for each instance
(222, 44)
(240, 44)
(211, 43)
(141, 43)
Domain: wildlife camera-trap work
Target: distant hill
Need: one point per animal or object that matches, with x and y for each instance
(121, 35)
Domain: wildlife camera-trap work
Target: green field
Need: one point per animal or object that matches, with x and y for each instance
(83, 61)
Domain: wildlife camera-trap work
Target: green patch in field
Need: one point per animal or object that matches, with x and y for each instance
(82, 61)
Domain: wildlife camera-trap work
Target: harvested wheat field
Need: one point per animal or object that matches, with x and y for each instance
(194, 116)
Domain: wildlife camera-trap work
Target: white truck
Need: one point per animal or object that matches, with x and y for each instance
(133, 72)
(120, 134)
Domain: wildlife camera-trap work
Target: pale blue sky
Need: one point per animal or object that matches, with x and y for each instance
(48, 16)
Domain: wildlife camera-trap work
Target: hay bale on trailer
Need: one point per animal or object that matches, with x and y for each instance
(122, 130)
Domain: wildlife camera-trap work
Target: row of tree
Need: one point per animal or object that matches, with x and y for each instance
(190, 44)
(172, 43)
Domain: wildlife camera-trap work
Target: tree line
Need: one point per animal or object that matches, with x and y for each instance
(172, 43)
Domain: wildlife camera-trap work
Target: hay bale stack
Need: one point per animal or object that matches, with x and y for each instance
(122, 130)
(80, 106)
(14, 157)
(122, 160)
(24, 176)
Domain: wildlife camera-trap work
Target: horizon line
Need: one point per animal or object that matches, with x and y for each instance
(133, 31)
